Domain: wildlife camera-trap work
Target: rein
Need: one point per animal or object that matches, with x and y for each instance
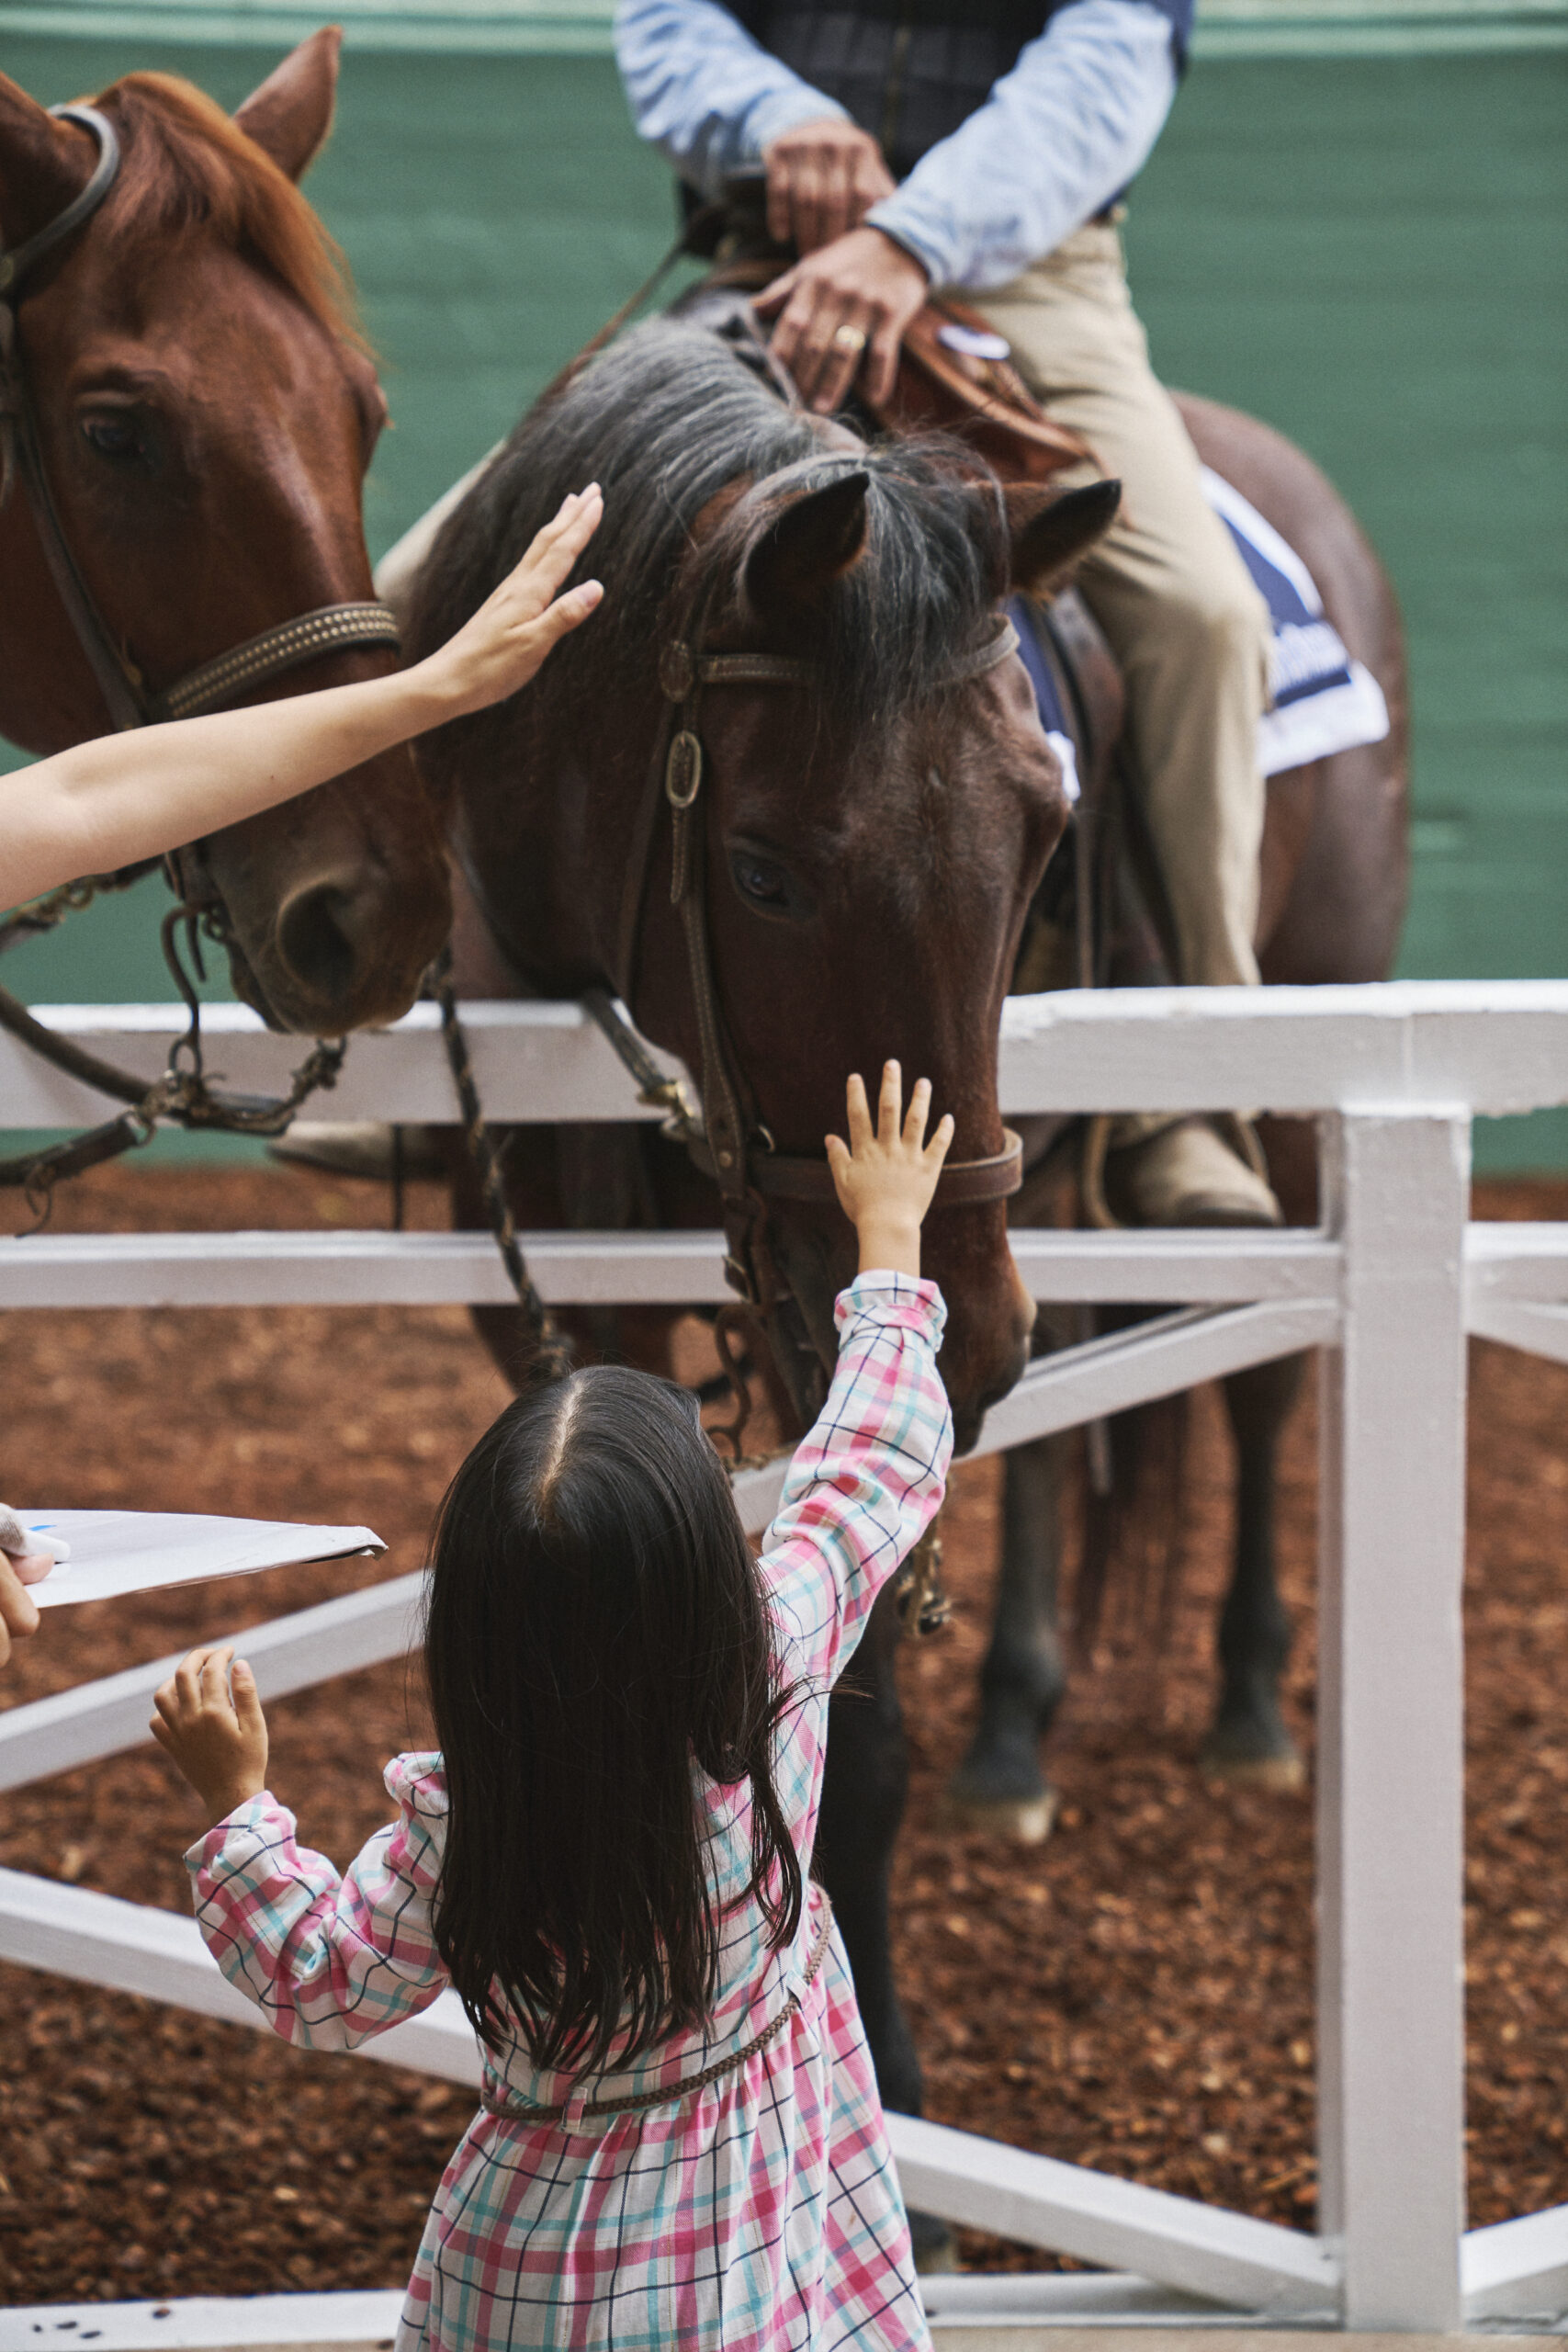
(183, 1093)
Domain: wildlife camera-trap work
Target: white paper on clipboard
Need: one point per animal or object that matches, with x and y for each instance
(116, 1552)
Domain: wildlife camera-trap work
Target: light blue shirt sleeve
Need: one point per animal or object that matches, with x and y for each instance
(704, 92)
(1058, 137)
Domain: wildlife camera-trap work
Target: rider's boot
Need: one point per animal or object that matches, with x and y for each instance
(1189, 1172)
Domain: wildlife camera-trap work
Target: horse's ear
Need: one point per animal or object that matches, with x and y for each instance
(43, 163)
(291, 113)
(805, 548)
(1050, 531)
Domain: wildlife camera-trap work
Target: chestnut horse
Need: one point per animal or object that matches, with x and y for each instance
(204, 413)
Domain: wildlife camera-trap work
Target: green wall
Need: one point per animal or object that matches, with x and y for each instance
(1372, 253)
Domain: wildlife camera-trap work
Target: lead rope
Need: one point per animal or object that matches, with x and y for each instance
(182, 1095)
(736, 1328)
(551, 1350)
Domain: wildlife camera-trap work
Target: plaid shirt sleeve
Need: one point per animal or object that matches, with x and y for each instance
(329, 1960)
(867, 1481)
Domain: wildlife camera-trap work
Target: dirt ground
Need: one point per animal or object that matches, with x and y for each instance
(1136, 1994)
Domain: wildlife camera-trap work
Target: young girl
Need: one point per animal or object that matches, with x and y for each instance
(107, 803)
(680, 2143)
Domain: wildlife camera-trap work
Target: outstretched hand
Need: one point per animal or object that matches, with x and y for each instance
(887, 1176)
(507, 640)
(218, 1741)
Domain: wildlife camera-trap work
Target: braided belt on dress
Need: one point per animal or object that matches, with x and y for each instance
(510, 2112)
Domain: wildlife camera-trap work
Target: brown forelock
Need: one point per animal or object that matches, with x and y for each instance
(187, 166)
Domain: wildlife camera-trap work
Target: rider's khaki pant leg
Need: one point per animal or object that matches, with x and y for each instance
(1168, 589)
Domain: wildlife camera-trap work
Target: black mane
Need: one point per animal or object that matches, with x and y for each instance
(664, 420)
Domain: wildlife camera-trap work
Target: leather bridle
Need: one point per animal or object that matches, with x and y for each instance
(729, 1143)
(310, 636)
(183, 1093)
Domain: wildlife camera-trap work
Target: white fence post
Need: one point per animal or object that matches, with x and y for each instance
(1391, 1993)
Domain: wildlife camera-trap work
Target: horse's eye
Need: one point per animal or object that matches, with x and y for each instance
(761, 881)
(116, 438)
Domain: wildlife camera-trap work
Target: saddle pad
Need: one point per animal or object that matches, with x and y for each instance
(1323, 701)
(1022, 611)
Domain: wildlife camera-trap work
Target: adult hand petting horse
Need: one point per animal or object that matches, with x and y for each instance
(509, 638)
(108, 803)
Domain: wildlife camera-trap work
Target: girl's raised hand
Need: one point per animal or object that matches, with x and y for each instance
(218, 1742)
(885, 1176)
(508, 639)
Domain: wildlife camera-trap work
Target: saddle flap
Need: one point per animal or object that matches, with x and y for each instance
(955, 375)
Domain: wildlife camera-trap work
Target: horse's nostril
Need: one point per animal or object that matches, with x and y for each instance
(315, 941)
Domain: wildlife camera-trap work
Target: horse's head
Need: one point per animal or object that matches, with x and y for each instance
(873, 825)
(205, 418)
(875, 833)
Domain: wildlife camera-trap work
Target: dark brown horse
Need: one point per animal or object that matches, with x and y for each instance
(1335, 867)
(864, 911)
(205, 414)
(870, 837)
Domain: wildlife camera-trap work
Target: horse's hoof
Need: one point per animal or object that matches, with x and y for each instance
(936, 2248)
(1282, 1773)
(1016, 1821)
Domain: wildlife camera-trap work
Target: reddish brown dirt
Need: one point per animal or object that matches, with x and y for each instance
(1136, 1994)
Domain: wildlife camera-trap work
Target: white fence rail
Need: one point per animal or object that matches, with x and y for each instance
(1387, 1288)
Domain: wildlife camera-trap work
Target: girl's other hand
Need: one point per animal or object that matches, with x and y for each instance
(885, 1177)
(218, 1741)
(509, 637)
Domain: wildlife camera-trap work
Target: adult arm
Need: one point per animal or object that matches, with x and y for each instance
(107, 803)
(707, 94)
(1059, 136)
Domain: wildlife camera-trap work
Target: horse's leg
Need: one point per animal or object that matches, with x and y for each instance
(1250, 1740)
(865, 1780)
(1000, 1783)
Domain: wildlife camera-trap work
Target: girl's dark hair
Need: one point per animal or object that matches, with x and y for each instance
(596, 1626)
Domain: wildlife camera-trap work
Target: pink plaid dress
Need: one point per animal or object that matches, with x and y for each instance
(762, 2210)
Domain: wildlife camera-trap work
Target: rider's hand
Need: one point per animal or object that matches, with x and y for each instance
(823, 177)
(508, 639)
(218, 1742)
(842, 308)
(885, 1178)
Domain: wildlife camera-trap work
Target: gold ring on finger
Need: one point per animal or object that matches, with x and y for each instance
(848, 338)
